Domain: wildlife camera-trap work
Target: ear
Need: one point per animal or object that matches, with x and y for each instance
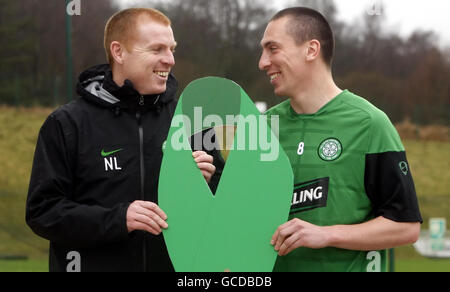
(313, 50)
(117, 52)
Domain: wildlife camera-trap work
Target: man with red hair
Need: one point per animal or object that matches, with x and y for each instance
(94, 186)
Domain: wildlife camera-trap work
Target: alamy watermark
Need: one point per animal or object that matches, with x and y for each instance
(250, 133)
(73, 7)
(74, 264)
(375, 8)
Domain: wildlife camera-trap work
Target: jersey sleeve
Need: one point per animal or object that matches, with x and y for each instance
(388, 179)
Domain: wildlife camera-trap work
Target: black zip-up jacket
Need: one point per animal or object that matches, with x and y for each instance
(94, 157)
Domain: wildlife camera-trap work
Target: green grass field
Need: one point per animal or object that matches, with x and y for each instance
(19, 128)
(402, 265)
(422, 265)
(24, 266)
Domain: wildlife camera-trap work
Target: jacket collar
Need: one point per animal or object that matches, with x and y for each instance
(97, 85)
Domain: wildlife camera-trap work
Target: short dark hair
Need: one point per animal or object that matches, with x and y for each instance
(306, 24)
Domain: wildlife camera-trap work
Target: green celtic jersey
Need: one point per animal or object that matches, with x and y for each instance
(349, 167)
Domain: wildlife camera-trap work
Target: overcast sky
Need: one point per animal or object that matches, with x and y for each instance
(403, 16)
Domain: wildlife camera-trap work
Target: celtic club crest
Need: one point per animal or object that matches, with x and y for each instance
(330, 149)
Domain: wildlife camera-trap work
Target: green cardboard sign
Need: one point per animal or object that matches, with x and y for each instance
(232, 229)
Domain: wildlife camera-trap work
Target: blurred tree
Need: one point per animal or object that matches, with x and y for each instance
(17, 50)
(427, 90)
(50, 59)
(404, 77)
(88, 33)
(33, 55)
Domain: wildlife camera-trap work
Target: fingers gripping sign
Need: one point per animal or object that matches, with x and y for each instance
(297, 233)
(146, 216)
(205, 164)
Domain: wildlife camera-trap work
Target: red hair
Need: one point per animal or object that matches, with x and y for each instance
(122, 25)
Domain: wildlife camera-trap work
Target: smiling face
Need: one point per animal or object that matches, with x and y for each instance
(283, 60)
(148, 59)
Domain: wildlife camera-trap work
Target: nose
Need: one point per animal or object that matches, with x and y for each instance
(264, 62)
(169, 59)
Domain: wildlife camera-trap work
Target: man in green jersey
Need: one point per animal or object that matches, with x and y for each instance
(354, 195)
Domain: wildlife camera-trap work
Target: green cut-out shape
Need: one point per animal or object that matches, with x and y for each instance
(231, 230)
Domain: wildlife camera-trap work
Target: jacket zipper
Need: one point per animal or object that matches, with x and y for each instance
(142, 166)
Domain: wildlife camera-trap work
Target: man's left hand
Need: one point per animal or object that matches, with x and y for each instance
(297, 233)
(205, 164)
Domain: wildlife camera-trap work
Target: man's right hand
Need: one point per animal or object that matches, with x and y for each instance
(146, 216)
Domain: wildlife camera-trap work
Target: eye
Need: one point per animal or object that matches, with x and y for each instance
(273, 49)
